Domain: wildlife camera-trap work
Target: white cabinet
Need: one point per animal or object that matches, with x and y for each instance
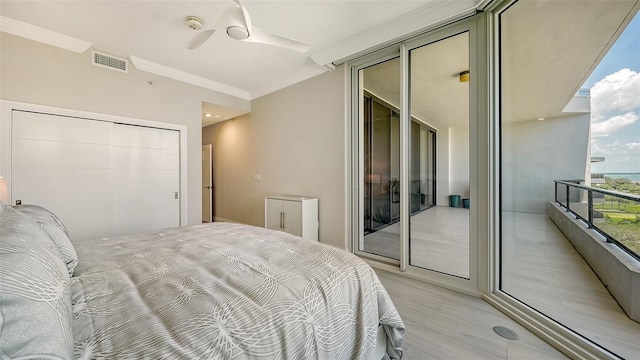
(292, 214)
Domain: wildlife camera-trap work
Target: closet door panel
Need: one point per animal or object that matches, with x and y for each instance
(143, 211)
(63, 164)
(37, 153)
(146, 168)
(145, 158)
(101, 178)
(40, 181)
(145, 137)
(40, 126)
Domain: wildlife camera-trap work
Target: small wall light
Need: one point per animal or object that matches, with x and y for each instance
(464, 76)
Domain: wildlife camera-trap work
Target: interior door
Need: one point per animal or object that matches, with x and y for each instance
(207, 184)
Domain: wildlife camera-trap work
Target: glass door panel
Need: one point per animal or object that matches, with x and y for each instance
(380, 124)
(547, 50)
(439, 171)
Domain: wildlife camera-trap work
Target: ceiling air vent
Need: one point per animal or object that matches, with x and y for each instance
(111, 62)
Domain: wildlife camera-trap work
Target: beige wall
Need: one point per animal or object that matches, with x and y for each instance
(459, 161)
(35, 73)
(295, 140)
(442, 167)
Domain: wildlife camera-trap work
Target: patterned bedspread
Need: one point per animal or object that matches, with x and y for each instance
(226, 291)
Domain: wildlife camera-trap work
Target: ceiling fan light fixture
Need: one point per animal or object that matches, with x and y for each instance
(237, 32)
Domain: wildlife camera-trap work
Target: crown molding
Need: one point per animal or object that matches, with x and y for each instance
(179, 75)
(303, 74)
(28, 31)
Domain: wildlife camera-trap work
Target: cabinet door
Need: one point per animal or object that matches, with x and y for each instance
(292, 217)
(273, 216)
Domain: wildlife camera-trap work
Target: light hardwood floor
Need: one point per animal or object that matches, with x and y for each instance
(541, 269)
(439, 240)
(445, 324)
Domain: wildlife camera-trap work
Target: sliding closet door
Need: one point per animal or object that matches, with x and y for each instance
(64, 164)
(100, 178)
(146, 171)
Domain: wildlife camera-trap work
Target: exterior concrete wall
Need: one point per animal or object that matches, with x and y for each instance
(618, 271)
(534, 153)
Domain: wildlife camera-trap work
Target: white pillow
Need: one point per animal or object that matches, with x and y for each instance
(56, 231)
(35, 295)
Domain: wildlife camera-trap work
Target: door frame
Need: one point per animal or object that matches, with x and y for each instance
(475, 26)
(211, 196)
(6, 114)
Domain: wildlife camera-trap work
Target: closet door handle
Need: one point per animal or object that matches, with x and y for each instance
(281, 220)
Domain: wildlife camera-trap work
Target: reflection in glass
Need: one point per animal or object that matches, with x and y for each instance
(547, 50)
(439, 233)
(381, 155)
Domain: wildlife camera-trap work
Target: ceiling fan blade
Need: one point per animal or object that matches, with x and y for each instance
(260, 36)
(245, 14)
(233, 16)
(199, 39)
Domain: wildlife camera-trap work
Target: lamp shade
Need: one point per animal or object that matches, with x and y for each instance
(4, 191)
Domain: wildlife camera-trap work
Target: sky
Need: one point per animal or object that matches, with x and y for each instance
(615, 105)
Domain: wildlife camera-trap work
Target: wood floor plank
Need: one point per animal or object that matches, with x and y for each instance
(541, 268)
(445, 324)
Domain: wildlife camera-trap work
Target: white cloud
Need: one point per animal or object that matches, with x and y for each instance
(612, 125)
(616, 94)
(619, 156)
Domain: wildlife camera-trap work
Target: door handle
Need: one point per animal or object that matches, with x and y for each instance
(208, 187)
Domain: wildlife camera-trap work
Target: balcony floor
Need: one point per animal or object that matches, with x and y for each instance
(541, 269)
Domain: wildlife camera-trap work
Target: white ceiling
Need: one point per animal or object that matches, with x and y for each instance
(438, 98)
(154, 34)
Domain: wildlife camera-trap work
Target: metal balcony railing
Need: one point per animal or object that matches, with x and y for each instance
(584, 92)
(614, 215)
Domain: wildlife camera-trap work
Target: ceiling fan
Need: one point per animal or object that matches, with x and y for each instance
(237, 23)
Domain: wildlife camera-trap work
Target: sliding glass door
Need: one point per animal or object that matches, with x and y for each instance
(380, 136)
(439, 99)
(412, 125)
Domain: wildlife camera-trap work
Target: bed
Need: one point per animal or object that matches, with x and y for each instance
(211, 291)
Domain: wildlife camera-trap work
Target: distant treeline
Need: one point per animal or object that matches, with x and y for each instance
(620, 184)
